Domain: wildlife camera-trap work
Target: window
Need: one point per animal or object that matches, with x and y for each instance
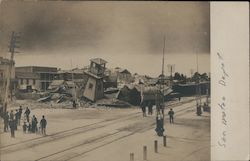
(27, 81)
(90, 85)
(21, 80)
(34, 82)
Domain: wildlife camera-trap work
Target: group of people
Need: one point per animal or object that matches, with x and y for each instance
(150, 111)
(144, 108)
(12, 121)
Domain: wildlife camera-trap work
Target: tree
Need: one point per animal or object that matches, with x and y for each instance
(177, 76)
(196, 77)
(204, 76)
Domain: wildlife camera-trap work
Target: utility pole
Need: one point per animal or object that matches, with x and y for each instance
(160, 101)
(74, 85)
(171, 70)
(191, 73)
(198, 90)
(163, 77)
(12, 47)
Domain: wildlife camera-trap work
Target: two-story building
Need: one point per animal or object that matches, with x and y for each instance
(35, 77)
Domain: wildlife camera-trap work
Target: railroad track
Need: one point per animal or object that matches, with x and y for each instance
(95, 143)
(64, 131)
(78, 150)
(82, 129)
(72, 152)
(63, 134)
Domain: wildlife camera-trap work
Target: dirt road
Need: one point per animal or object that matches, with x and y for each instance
(98, 134)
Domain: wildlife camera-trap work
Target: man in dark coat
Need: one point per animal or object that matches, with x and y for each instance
(159, 125)
(34, 124)
(17, 118)
(27, 113)
(74, 104)
(43, 124)
(150, 108)
(12, 127)
(171, 115)
(20, 112)
(11, 115)
(143, 107)
(6, 121)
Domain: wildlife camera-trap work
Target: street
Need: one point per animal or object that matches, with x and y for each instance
(111, 134)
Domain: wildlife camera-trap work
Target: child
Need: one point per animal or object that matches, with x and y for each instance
(24, 127)
(29, 127)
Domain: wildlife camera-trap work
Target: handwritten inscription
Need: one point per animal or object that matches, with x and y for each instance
(224, 75)
(222, 104)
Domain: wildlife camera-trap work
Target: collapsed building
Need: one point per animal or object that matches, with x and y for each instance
(113, 87)
(138, 93)
(191, 88)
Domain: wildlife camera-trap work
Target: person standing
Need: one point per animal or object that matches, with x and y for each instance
(143, 108)
(11, 115)
(20, 113)
(27, 113)
(17, 118)
(150, 108)
(74, 104)
(34, 124)
(159, 125)
(43, 124)
(12, 127)
(36, 129)
(6, 121)
(29, 127)
(24, 127)
(171, 116)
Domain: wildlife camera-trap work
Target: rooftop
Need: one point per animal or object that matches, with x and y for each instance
(35, 67)
(75, 71)
(99, 61)
(26, 75)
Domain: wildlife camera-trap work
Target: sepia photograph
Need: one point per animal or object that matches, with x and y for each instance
(105, 81)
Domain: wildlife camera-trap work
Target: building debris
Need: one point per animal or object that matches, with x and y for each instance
(96, 85)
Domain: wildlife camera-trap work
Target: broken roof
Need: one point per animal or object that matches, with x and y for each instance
(99, 61)
(74, 71)
(57, 82)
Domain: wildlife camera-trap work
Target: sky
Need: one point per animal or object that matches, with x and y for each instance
(66, 34)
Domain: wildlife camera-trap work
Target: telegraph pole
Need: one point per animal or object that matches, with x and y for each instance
(163, 79)
(171, 70)
(198, 89)
(160, 101)
(191, 73)
(74, 91)
(12, 47)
